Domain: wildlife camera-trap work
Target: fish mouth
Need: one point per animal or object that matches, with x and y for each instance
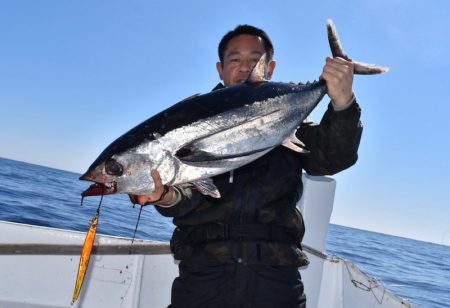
(100, 189)
(87, 177)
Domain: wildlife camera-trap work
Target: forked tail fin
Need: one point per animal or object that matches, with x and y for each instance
(338, 51)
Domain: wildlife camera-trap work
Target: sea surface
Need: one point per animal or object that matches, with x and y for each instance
(413, 270)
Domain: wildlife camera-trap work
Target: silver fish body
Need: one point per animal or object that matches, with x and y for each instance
(206, 135)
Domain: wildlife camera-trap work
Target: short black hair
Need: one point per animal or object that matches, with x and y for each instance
(245, 29)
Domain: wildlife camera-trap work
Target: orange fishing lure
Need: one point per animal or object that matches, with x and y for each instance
(85, 257)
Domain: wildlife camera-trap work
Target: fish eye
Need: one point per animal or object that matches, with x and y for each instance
(112, 167)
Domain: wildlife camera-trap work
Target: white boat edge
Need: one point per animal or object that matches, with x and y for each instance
(38, 266)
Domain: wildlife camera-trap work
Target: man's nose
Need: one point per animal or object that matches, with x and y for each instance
(245, 66)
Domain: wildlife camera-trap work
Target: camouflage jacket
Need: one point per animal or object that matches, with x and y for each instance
(263, 193)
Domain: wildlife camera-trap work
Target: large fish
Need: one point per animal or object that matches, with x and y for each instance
(210, 134)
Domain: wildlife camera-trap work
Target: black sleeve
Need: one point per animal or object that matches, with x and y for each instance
(190, 199)
(333, 144)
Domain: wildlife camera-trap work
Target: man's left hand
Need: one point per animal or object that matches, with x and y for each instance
(158, 196)
(338, 74)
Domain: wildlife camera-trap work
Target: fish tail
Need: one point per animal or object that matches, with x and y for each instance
(337, 51)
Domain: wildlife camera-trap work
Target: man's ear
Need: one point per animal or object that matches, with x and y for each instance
(270, 69)
(219, 69)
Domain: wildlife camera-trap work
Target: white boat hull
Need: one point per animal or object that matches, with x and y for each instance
(38, 266)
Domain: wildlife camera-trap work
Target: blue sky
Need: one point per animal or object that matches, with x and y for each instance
(77, 74)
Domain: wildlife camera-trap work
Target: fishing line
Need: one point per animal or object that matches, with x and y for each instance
(99, 204)
(135, 229)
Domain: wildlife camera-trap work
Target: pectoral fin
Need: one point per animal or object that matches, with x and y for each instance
(194, 155)
(293, 143)
(207, 187)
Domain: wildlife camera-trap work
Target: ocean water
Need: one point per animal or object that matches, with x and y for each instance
(414, 270)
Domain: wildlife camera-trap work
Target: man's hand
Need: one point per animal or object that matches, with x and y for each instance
(338, 74)
(162, 195)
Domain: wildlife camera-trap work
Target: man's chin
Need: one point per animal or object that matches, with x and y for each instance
(237, 82)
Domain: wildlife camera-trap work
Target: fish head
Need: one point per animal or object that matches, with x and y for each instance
(127, 173)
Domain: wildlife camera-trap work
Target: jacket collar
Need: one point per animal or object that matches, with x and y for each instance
(218, 86)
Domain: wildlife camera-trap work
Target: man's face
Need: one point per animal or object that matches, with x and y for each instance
(241, 55)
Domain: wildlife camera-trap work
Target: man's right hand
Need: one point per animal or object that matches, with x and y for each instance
(162, 195)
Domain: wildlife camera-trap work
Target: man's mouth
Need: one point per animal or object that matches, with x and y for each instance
(239, 81)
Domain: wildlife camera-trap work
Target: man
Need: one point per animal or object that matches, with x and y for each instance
(244, 249)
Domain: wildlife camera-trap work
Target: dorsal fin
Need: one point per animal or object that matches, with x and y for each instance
(259, 72)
